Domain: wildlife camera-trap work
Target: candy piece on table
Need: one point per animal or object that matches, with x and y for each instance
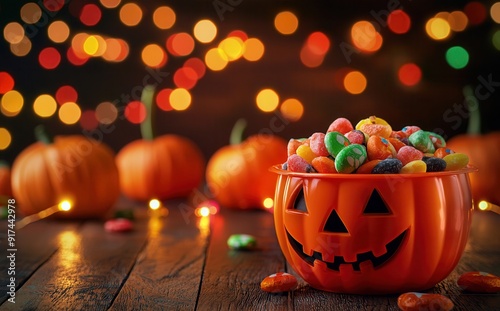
(292, 146)
(437, 140)
(324, 165)
(356, 137)
(388, 166)
(396, 143)
(317, 144)
(442, 152)
(417, 166)
(413, 301)
(241, 242)
(305, 152)
(279, 282)
(350, 158)
(434, 164)
(456, 161)
(408, 130)
(295, 163)
(118, 225)
(334, 142)
(421, 140)
(341, 125)
(379, 148)
(408, 153)
(479, 282)
(367, 167)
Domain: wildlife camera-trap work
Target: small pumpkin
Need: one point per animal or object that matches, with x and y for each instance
(5, 187)
(74, 168)
(161, 167)
(238, 174)
(483, 151)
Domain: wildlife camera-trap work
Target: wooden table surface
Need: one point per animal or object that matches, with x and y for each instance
(182, 262)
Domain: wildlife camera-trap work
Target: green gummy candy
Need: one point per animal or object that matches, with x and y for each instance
(421, 140)
(350, 158)
(437, 140)
(335, 142)
(241, 241)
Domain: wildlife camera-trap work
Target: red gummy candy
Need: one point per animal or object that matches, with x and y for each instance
(341, 125)
(355, 137)
(298, 164)
(118, 225)
(317, 144)
(407, 154)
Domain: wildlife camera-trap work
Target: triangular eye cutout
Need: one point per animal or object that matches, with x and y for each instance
(376, 205)
(335, 224)
(300, 203)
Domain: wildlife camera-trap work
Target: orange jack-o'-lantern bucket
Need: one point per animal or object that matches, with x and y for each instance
(373, 234)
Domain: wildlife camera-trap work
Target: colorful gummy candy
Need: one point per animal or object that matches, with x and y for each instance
(241, 242)
(414, 301)
(279, 282)
(372, 147)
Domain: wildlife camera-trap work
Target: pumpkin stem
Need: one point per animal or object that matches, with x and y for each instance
(474, 123)
(237, 132)
(147, 125)
(42, 135)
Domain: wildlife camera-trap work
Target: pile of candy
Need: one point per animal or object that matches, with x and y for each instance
(372, 147)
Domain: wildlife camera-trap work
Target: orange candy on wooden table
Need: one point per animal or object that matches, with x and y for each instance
(424, 302)
(279, 282)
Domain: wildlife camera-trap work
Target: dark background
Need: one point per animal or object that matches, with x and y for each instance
(220, 98)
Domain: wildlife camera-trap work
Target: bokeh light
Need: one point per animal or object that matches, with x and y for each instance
(135, 112)
(267, 100)
(409, 74)
(53, 5)
(180, 99)
(458, 21)
(365, 37)
(205, 31)
(31, 13)
(476, 12)
(457, 57)
(495, 39)
(69, 113)
(185, 77)
(45, 106)
(5, 138)
(318, 43)
(88, 120)
(286, 22)
(292, 109)
(66, 93)
(75, 59)
(6, 82)
(130, 14)
(399, 22)
(164, 17)
(197, 65)
(11, 103)
(110, 4)
(154, 56)
(238, 33)
(13, 32)
(22, 48)
(180, 44)
(216, 59)
(355, 82)
(438, 28)
(106, 113)
(233, 47)
(254, 49)
(49, 58)
(58, 31)
(495, 12)
(90, 15)
(163, 99)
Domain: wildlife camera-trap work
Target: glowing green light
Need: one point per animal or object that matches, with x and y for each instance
(457, 57)
(496, 40)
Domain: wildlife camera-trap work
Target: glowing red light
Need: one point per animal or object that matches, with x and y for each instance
(476, 12)
(88, 120)
(197, 65)
(135, 112)
(6, 82)
(399, 22)
(75, 59)
(53, 5)
(163, 100)
(49, 58)
(90, 15)
(66, 93)
(185, 77)
(409, 74)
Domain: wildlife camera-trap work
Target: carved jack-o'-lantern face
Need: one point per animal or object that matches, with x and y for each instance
(372, 234)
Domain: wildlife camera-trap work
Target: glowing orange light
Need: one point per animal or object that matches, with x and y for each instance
(318, 43)
(180, 99)
(180, 44)
(45, 106)
(58, 31)
(5, 138)
(458, 20)
(292, 109)
(254, 49)
(69, 113)
(22, 48)
(286, 22)
(409, 74)
(154, 56)
(267, 100)
(11, 103)
(216, 59)
(13, 32)
(164, 17)
(355, 82)
(163, 99)
(365, 37)
(130, 14)
(31, 13)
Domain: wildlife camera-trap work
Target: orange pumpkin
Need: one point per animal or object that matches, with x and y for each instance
(5, 187)
(355, 234)
(73, 168)
(164, 167)
(238, 174)
(483, 151)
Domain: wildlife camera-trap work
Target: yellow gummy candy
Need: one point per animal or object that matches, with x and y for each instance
(417, 166)
(456, 161)
(305, 152)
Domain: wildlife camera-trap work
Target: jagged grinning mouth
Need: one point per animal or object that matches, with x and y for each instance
(391, 247)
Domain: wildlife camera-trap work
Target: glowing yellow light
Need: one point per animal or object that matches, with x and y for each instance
(180, 99)
(91, 45)
(292, 109)
(45, 105)
(205, 31)
(58, 31)
(11, 104)
(286, 22)
(254, 49)
(232, 47)
(164, 17)
(110, 4)
(438, 28)
(268, 203)
(216, 59)
(5, 138)
(154, 204)
(267, 100)
(65, 206)
(203, 211)
(69, 113)
(355, 82)
(483, 205)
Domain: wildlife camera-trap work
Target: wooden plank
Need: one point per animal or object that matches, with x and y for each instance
(168, 271)
(85, 273)
(231, 279)
(35, 244)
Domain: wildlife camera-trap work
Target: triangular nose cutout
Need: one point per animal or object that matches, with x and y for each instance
(335, 224)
